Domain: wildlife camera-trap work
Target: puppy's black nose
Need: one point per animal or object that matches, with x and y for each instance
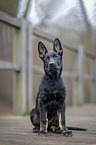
(51, 64)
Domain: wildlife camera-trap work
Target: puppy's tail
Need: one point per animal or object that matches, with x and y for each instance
(77, 128)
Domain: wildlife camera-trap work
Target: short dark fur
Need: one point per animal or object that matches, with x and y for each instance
(49, 113)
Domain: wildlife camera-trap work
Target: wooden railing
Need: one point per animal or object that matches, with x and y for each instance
(24, 69)
(22, 63)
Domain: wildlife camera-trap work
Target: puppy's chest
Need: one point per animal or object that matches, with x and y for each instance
(53, 86)
(50, 99)
(52, 91)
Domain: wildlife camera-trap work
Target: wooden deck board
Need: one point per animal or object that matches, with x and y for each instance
(18, 130)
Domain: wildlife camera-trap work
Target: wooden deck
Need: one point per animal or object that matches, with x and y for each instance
(16, 130)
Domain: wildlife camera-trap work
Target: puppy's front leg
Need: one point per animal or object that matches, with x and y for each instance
(43, 121)
(62, 121)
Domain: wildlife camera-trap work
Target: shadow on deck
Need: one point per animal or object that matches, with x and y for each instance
(18, 130)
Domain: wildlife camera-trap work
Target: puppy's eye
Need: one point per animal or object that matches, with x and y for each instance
(54, 56)
(47, 58)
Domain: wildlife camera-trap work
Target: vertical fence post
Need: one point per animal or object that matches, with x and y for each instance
(93, 87)
(30, 67)
(75, 83)
(19, 56)
(81, 62)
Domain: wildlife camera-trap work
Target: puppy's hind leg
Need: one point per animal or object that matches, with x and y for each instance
(35, 120)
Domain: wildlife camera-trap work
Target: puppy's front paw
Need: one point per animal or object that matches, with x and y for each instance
(67, 133)
(35, 130)
(42, 133)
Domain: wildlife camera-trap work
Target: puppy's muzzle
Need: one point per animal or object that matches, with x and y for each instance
(52, 64)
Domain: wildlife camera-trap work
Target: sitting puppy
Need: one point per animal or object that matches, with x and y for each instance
(49, 113)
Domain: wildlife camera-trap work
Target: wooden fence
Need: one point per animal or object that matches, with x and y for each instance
(22, 63)
(24, 69)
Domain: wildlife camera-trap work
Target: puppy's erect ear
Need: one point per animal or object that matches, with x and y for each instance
(42, 50)
(57, 47)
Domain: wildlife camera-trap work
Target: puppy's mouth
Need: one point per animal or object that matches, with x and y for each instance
(54, 69)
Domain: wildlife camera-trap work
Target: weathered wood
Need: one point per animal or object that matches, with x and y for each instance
(27, 9)
(17, 76)
(81, 61)
(93, 86)
(10, 20)
(90, 54)
(9, 7)
(76, 87)
(5, 65)
(72, 48)
(89, 77)
(51, 39)
(68, 74)
(38, 69)
(23, 64)
(30, 68)
(75, 82)
(19, 101)
(18, 130)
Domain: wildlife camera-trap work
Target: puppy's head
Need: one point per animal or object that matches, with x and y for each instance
(52, 59)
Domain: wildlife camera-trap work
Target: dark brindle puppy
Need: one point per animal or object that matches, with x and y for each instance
(49, 113)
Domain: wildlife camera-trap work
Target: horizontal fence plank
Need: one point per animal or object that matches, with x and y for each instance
(90, 54)
(72, 48)
(5, 65)
(39, 70)
(89, 77)
(66, 74)
(10, 20)
(69, 74)
(51, 39)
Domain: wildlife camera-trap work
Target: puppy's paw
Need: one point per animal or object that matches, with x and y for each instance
(42, 133)
(56, 129)
(35, 130)
(67, 133)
